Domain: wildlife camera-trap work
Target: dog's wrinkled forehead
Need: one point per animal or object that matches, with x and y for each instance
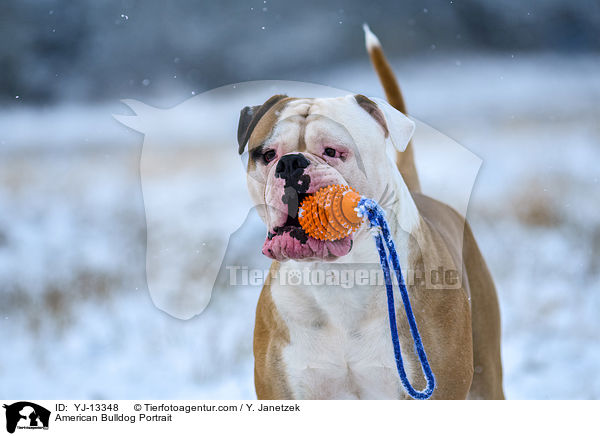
(356, 113)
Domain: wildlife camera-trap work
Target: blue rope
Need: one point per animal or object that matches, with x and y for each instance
(375, 214)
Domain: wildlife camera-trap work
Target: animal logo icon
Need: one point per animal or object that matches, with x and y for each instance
(191, 228)
(25, 414)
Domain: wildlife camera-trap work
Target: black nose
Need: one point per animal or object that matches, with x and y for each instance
(291, 165)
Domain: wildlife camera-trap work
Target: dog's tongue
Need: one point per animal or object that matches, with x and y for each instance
(284, 246)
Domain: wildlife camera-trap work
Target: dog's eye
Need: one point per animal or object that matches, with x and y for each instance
(330, 152)
(269, 155)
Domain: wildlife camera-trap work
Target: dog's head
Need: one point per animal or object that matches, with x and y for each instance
(298, 145)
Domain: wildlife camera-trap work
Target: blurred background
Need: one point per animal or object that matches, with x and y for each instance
(515, 82)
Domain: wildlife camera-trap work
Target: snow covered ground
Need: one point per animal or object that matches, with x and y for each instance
(76, 316)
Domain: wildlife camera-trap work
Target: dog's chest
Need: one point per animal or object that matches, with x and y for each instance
(340, 343)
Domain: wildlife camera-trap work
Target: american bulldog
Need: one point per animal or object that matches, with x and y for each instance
(315, 339)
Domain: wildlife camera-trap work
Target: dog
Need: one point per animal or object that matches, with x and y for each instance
(321, 341)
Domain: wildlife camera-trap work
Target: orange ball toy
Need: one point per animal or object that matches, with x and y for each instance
(329, 214)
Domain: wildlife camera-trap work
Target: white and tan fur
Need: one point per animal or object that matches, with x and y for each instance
(348, 356)
(325, 342)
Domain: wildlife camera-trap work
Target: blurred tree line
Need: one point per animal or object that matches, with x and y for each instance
(90, 50)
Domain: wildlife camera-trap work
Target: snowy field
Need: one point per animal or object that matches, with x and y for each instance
(76, 317)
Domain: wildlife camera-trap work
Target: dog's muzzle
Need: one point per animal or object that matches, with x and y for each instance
(295, 178)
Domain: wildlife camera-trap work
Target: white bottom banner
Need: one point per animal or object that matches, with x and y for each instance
(74, 417)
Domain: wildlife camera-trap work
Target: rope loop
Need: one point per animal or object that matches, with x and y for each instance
(369, 209)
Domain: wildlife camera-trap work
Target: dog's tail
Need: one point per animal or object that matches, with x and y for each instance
(404, 160)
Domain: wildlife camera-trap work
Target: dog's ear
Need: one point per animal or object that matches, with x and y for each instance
(249, 118)
(395, 124)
